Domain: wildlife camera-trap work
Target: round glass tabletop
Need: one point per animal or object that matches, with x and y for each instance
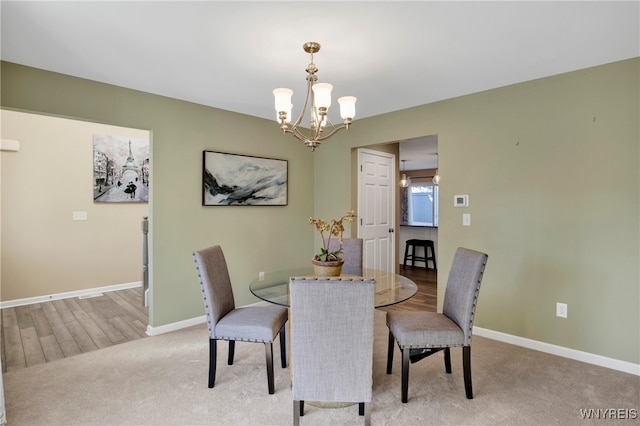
(391, 288)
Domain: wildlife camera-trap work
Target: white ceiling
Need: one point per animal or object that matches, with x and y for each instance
(419, 153)
(390, 55)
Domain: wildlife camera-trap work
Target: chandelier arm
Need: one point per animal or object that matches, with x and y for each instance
(334, 130)
(313, 144)
(304, 107)
(304, 138)
(301, 137)
(318, 129)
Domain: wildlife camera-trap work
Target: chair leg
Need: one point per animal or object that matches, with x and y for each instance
(364, 409)
(433, 256)
(466, 366)
(390, 353)
(296, 413)
(367, 413)
(301, 408)
(405, 374)
(283, 346)
(268, 347)
(232, 351)
(212, 361)
(447, 360)
(406, 254)
(413, 256)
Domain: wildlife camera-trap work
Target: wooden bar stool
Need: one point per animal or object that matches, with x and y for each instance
(427, 246)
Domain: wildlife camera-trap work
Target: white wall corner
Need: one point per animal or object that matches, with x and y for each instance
(175, 326)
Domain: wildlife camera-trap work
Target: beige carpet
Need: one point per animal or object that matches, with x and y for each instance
(162, 380)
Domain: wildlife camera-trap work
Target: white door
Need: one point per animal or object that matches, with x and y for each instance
(376, 212)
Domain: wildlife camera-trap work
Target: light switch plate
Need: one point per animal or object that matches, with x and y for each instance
(466, 219)
(561, 310)
(79, 215)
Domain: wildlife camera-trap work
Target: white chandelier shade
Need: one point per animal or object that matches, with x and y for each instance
(318, 99)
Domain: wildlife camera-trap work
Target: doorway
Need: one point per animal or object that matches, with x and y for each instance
(419, 162)
(376, 208)
(56, 242)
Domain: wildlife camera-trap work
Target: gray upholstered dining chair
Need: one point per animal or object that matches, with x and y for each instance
(420, 334)
(351, 251)
(332, 341)
(226, 322)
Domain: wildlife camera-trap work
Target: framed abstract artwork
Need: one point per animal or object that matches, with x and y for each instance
(242, 180)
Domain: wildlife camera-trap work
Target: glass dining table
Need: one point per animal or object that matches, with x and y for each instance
(391, 288)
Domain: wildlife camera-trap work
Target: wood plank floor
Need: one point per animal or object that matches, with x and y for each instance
(43, 332)
(427, 296)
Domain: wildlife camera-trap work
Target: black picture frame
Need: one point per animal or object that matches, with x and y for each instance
(243, 180)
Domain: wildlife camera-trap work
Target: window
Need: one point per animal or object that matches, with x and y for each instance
(423, 204)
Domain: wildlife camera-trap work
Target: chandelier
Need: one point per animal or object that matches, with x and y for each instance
(319, 100)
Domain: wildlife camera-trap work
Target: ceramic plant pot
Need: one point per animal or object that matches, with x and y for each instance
(327, 269)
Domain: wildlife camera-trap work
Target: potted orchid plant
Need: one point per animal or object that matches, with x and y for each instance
(333, 228)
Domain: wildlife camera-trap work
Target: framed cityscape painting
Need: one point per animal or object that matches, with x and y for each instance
(120, 169)
(241, 180)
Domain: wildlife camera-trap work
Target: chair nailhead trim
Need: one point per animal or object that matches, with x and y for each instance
(332, 278)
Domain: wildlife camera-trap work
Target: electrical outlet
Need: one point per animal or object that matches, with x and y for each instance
(561, 310)
(261, 275)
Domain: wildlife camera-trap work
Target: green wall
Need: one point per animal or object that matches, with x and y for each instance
(253, 238)
(550, 166)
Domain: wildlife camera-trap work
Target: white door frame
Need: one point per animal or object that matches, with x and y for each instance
(389, 263)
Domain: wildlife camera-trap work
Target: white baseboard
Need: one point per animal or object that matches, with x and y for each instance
(167, 328)
(614, 364)
(67, 295)
(175, 326)
(602, 361)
